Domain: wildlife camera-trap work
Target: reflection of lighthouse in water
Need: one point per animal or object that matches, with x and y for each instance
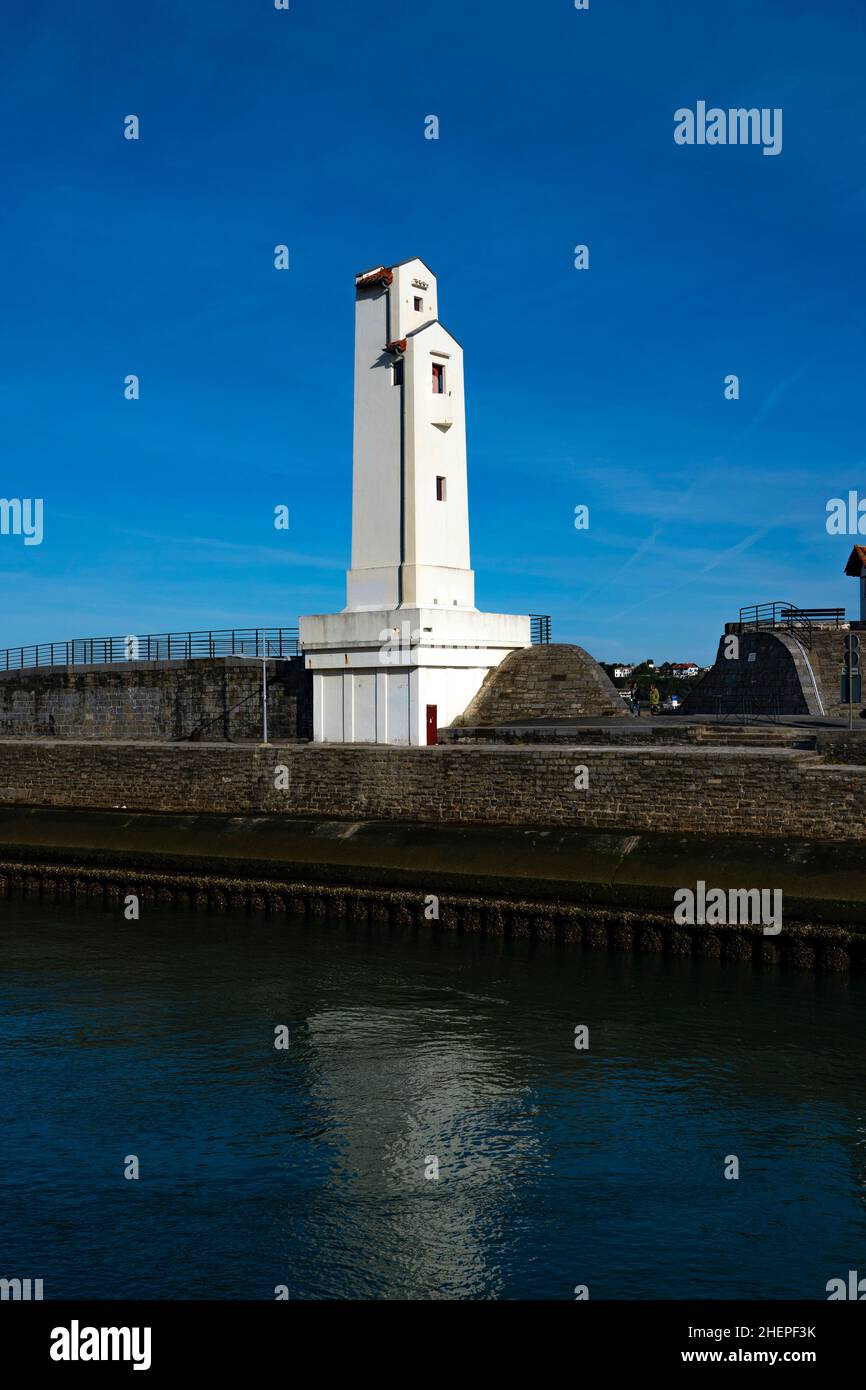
(399, 1091)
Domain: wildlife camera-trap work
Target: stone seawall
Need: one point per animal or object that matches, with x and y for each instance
(572, 887)
(782, 792)
(160, 700)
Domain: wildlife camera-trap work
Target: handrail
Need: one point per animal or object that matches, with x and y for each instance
(539, 628)
(779, 614)
(153, 646)
(181, 646)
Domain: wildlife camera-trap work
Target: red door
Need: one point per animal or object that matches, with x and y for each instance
(432, 725)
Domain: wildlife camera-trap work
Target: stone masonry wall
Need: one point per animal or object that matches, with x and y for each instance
(774, 792)
(550, 681)
(766, 678)
(159, 700)
(826, 656)
(772, 676)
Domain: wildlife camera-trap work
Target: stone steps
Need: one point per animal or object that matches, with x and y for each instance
(646, 734)
(751, 737)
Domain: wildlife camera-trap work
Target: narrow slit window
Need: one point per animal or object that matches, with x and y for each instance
(398, 372)
(438, 378)
(419, 304)
(440, 489)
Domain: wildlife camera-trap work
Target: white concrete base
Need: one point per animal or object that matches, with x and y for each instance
(385, 676)
(376, 590)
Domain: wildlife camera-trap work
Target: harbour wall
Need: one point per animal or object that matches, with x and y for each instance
(582, 843)
(570, 887)
(219, 698)
(728, 790)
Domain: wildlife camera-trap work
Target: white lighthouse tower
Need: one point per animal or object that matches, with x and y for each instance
(410, 649)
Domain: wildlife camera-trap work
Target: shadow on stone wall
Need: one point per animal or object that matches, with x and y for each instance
(773, 674)
(160, 700)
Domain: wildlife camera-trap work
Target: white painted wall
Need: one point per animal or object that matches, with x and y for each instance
(390, 706)
(450, 689)
(374, 673)
(435, 636)
(438, 567)
(372, 580)
(408, 285)
(410, 635)
(407, 431)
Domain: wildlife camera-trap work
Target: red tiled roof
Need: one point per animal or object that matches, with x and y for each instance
(380, 275)
(855, 560)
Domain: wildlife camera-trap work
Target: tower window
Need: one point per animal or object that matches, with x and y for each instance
(438, 378)
(419, 304)
(397, 372)
(440, 489)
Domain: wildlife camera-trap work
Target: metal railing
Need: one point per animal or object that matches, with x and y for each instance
(180, 646)
(821, 617)
(154, 646)
(741, 707)
(798, 622)
(539, 627)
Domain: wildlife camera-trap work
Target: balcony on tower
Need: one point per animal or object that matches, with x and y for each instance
(442, 411)
(441, 405)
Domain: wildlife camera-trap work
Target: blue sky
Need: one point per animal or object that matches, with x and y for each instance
(602, 387)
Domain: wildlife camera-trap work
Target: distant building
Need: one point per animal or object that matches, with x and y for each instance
(684, 668)
(620, 672)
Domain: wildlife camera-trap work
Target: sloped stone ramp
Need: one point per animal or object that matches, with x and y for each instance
(554, 681)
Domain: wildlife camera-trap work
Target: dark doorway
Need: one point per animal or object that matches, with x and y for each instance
(432, 725)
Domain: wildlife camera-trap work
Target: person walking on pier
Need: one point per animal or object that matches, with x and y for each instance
(654, 699)
(635, 699)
